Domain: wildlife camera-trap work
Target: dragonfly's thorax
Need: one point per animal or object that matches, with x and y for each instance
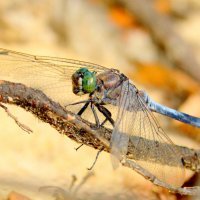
(109, 84)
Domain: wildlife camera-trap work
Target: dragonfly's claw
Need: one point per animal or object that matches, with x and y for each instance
(96, 127)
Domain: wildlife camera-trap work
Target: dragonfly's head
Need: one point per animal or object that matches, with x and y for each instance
(84, 81)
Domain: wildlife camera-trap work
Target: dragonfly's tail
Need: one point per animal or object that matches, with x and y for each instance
(164, 110)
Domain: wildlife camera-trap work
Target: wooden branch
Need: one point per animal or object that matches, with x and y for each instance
(53, 113)
(161, 28)
(146, 174)
(80, 130)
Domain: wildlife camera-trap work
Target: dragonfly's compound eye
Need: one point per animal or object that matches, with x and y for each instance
(89, 82)
(83, 81)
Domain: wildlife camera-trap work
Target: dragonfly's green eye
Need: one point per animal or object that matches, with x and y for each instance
(89, 82)
(82, 70)
(83, 81)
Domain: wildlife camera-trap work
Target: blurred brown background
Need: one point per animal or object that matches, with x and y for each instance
(160, 53)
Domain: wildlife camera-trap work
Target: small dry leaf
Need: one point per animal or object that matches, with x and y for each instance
(122, 18)
(160, 76)
(163, 6)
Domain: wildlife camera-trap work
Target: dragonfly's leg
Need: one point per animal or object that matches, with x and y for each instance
(106, 113)
(95, 116)
(97, 156)
(81, 111)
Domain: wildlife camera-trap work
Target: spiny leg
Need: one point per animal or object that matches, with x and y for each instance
(95, 116)
(106, 113)
(79, 102)
(82, 110)
(97, 126)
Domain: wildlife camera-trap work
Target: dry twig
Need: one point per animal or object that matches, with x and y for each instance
(22, 126)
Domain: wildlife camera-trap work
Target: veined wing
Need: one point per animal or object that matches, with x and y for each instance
(152, 148)
(18, 56)
(50, 74)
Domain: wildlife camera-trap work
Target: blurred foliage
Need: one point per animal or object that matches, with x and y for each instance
(107, 33)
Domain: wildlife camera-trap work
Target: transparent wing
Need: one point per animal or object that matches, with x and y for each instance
(50, 74)
(152, 148)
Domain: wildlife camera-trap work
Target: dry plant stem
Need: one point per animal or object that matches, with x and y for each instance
(74, 179)
(77, 148)
(84, 180)
(162, 30)
(22, 126)
(146, 174)
(97, 156)
(80, 130)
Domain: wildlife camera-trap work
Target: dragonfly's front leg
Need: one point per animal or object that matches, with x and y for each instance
(101, 108)
(106, 113)
(82, 110)
(95, 116)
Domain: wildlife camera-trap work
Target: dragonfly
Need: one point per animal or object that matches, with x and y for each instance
(105, 90)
